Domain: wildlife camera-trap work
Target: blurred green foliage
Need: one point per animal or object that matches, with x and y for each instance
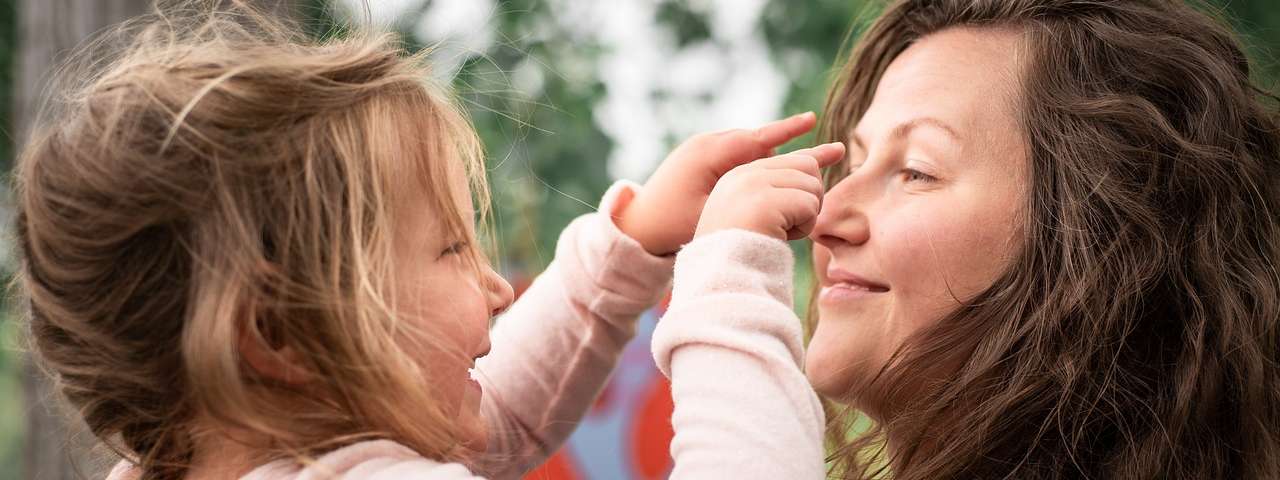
(547, 154)
(12, 416)
(8, 55)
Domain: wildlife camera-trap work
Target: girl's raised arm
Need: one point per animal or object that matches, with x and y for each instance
(554, 349)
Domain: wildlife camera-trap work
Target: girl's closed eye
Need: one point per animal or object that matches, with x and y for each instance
(454, 249)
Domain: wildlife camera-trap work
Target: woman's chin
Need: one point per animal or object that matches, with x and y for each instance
(827, 376)
(833, 362)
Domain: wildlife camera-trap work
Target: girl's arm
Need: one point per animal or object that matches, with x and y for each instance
(730, 342)
(732, 347)
(554, 349)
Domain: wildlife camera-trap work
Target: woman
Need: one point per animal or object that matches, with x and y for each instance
(1052, 250)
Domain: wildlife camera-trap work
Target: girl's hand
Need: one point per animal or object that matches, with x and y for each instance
(663, 216)
(779, 196)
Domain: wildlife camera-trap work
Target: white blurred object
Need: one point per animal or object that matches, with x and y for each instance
(528, 78)
(382, 13)
(457, 29)
(658, 93)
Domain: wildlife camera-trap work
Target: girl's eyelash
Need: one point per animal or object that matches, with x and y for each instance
(457, 247)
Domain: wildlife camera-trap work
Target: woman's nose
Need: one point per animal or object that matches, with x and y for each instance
(842, 220)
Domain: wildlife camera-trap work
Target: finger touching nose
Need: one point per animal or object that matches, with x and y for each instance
(827, 154)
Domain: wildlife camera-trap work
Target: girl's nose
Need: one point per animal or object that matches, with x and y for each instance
(499, 292)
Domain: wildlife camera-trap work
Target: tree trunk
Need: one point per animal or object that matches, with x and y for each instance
(58, 445)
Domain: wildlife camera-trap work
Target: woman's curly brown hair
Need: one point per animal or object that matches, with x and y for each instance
(1137, 333)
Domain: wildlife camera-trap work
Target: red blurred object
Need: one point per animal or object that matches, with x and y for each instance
(651, 433)
(629, 433)
(558, 467)
(604, 403)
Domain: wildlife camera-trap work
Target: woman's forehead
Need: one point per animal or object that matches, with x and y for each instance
(964, 78)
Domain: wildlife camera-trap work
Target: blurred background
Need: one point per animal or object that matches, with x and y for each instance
(568, 96)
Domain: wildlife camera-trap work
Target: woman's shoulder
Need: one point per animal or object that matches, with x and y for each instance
(374, 459)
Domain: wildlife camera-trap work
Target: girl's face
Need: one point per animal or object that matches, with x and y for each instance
(929, 214)
(448, 301)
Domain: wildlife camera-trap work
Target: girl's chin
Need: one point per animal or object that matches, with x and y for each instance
(476, 436)
(471, 422)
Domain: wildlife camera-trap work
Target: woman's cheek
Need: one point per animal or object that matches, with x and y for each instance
(952, 251)
(909, 249)
(928, 255)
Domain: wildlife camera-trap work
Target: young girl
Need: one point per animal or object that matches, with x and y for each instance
(248, 254)
(1052, 251)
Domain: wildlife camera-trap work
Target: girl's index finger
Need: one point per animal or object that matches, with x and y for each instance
(827, 154)
(778, 132)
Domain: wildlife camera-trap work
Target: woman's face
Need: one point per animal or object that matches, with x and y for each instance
(929, 214)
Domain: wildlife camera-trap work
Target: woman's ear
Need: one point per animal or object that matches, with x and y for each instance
(282, 364)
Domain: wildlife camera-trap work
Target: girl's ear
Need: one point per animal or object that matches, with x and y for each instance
(282, 364)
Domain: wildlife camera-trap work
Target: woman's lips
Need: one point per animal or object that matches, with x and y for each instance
(845, 292)
(842, 286)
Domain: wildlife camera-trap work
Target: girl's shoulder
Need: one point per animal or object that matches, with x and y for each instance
(374, 460)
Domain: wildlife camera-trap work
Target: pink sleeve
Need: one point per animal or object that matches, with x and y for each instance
(554, 349)
(370, 460)
(732, 347)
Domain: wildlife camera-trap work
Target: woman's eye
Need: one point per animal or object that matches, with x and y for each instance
(910, 176)
(454, 249)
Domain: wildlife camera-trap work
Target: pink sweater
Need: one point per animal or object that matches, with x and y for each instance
(730, 344)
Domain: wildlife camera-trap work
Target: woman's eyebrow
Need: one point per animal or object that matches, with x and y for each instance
(902, 129)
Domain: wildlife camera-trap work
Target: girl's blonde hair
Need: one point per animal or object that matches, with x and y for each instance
(225, 178)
